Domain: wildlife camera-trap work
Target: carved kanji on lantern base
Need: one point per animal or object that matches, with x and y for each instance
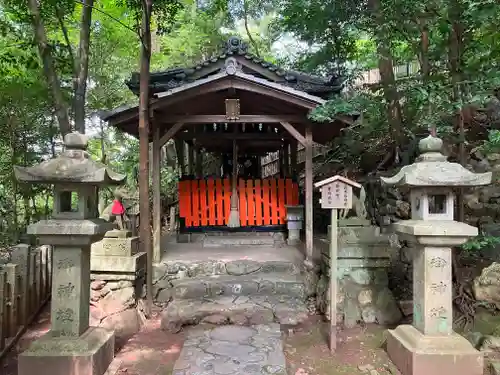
(71, 347)
(429, 346)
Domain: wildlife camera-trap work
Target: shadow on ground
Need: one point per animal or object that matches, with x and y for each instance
(359, 350)
(151, 351)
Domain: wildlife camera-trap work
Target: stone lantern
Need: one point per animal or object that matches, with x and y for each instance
(294, 220)
(71, 346)
(430, 346)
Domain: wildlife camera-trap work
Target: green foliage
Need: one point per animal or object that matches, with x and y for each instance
(348, 36)
(481, 242)
(492, 144)
(326, 37)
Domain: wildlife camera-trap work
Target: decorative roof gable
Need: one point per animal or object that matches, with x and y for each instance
(237, 50)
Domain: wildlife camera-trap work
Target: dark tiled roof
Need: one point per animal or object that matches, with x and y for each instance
(169, 79)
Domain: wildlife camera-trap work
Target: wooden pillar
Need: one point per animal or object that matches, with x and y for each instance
(156, 194)
(309, 195)
(286, 159)
(281, 162)
(220, 172)
(199, 163)
(179, 149)
(190, 159)
(293, 158)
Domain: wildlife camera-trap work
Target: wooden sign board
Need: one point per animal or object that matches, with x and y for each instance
(336, 192)
(336, 195)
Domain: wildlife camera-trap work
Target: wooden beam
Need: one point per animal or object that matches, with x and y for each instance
(227, 82)
(199, 163)
(200, 137)
(286, 159)
(190, 158)
(309, 196)
(208, 119)
(293, 158)
(156, 194)
(170, 133)
(293, 131)
(179, 150)
(285, 96)
(129, 114)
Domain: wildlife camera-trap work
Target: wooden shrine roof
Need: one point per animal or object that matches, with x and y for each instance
(265, 97)
(238, 49)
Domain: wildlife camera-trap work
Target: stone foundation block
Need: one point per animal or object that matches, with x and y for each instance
(112, 263)
(416, 354)
(116, 246)
(90, 354)
(118, 233)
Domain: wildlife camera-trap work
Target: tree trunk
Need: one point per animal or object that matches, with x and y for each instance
(82, 65)
(49, 68)
(425, 67)
(387, 79)
(145, 231)
(455, 61)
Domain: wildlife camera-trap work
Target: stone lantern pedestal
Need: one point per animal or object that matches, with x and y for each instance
(294, 223)
(429, 346)
(71, 347)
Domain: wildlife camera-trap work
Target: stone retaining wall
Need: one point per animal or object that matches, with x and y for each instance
(363, 261)
(113, 305)
(117, 274)
(167, 275)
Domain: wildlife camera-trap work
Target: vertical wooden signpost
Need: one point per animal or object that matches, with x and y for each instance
(336, 194)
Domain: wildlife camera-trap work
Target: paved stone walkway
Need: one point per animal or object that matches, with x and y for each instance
(228, 350)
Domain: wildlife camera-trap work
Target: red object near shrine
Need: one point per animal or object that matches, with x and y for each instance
(117, 208)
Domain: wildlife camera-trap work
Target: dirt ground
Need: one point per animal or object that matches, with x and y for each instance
(359, 351)
(154, 352)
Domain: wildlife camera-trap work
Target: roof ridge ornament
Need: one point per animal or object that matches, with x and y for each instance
(232, 66)
(236, 45)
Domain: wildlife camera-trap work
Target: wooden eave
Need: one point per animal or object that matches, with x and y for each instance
(205, 97)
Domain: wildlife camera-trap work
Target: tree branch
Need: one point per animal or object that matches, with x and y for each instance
(49, 68)
(250, 37)
(82, 66)
(64, 29)
(109, 16)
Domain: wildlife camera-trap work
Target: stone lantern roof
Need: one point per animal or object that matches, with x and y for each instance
(432, 168)
(73, 166)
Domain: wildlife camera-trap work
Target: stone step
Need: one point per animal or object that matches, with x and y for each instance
(275, 235)
(247, 285)
(242, 310)
(211, 267)
(241, 241)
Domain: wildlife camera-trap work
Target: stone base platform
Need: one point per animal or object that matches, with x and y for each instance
(196, 253)
(231, 240)
(90, 354)
(243, 310)
(416, 354)
(241, 285)
(192, 264)
(256, 350)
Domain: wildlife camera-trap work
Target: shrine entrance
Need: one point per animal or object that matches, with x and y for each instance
(222, 117)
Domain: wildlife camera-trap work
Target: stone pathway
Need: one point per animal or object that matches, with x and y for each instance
(244, 310)
(227, 350)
